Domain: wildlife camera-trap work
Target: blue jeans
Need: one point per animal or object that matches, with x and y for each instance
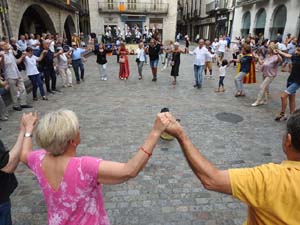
(5, 213)
(198, 70)
(238, 81)
(36, 83)
(77, 64)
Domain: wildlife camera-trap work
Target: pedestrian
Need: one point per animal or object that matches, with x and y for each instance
(102, 61)
(293, 84)
(154, 50)
(9, 161)
(222, 44)
(168, 54)
(63, 66)
(175, 63)
(124, 71)
(47, 66)
(140, 59)
(208, 60)
(13, 77)
(33, 73)
(77, 63)
(222, 74)
(245, 67)
(72, 185)
(268, 190)
(201, 53)
(291, 46)
(269, 72)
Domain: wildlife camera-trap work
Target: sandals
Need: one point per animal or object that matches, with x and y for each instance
(174, 82)
(280, 116)
(239, 94)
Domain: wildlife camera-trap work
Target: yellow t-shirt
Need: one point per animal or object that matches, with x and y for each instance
(271, 191)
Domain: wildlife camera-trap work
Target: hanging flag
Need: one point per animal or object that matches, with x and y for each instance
(122, 6)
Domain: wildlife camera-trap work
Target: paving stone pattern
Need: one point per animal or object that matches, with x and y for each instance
(115, 118)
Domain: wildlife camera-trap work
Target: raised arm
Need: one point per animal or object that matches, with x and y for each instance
(115, 173)
(14, 154)
(211, 178)
(29, 122)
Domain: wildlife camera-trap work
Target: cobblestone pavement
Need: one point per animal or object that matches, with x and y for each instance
(116, 117)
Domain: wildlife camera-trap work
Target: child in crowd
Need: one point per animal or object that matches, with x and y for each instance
(222, 74)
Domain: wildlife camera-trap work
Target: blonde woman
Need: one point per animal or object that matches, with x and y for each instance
(269, 72)
(71, 185)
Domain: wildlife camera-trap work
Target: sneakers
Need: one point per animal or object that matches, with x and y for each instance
(281, 116)
(3, 118)
(26, 106)
(17, 108)
(45, 98)
(105, 78)
(257, 103)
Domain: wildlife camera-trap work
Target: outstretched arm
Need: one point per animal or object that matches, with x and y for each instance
(14, 154)
(116, 173)
(211, 178)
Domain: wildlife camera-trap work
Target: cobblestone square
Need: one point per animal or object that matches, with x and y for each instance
(115, 118)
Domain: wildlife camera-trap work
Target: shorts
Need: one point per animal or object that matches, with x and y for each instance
(221, 54)
(288, 60)
(154, 63)
(208, 65)
(292, 88)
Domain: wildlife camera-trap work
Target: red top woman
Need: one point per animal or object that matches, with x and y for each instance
(123, 61)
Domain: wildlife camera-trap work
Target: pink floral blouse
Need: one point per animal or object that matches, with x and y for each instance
(78, 200)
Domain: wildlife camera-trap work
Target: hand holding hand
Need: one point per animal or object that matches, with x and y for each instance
(161, 123)
(174, 128)
(29, 121)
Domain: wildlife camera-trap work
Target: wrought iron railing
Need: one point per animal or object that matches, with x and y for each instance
(216, 5)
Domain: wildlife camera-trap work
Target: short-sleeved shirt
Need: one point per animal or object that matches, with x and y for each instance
(47, 61)
(76, 54)
(154, 52)
(291, 47)
(271, 192)
(201, 55)
(31, 65)
(245, 63)
(78, 200)
(270, 66)
(222, 45)
(10, 68)
(8, 182)
(222, 71)
(295, 73)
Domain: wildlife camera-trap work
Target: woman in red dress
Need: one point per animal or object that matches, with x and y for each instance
(123, 61)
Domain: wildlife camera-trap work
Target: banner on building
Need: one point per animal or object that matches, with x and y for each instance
(122, 6)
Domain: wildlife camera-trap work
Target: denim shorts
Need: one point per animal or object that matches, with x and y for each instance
(154, 63)
(292, 88)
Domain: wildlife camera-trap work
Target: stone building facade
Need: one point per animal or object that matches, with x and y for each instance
(158, 14)
(38, 16)
(208, 18)
(267, 18)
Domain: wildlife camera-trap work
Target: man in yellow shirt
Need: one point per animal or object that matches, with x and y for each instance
(271, 191)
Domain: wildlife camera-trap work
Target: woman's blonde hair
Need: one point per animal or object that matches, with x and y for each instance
(56, 129)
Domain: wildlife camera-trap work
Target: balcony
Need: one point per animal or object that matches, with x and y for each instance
(133, 8)
(216, 5)
(247, 2)
(75, 5)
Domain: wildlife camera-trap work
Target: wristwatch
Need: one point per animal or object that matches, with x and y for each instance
(28, 135)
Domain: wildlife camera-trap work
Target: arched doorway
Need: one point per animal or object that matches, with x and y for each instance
(246, 21)
(36, 20)
(69, 29)
(279, 20)
(260, 22)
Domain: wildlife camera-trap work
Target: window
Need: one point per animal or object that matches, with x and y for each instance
(131, 4)
(110, 4)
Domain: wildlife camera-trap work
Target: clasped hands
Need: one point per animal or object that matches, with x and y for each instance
(166, 122)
